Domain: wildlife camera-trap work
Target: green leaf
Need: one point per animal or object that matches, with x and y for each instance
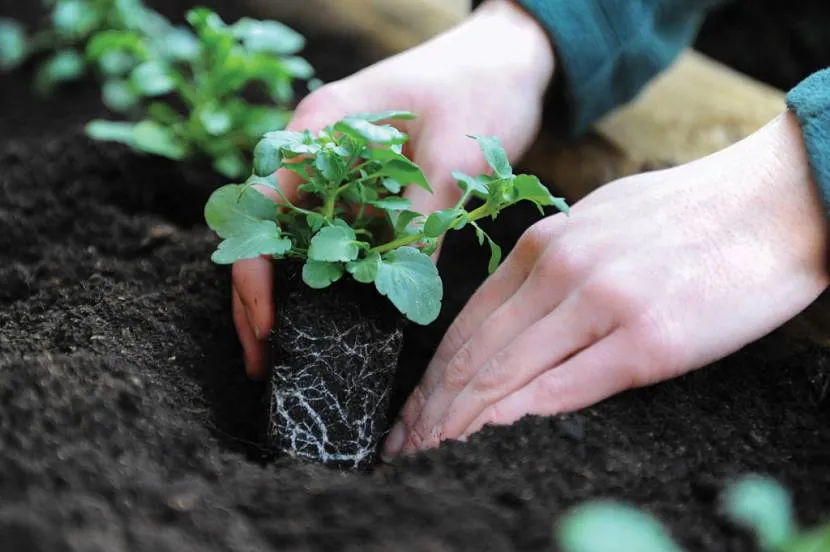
(365, 270)
(319, 275)
(530, 188)
(235, 205)
(817, 540)
(297, 67)
(612, 527)
(231, 165)
(151, 137)
(440, 221)
(411, 281)
(107, 42)
(116, 63)
(478, 184)
(131, 12)
(392, 203)
(244, 218)
(162, 113)
(330, 165)
(204, 19)
(118, 95)
(180, 44)
(151, 78)
(400, 220)
(391, 185)
(12, 44)
(262, 239)
(268, 152)
(495, 255)
(64, 66)
(216, 121)
(74, 18)
(111, 131)
(763, 506)
(495, 155)
(385, 115)
(268, 36)
(334, 244)
(398, 167)
(315, 221)
(366, 132)
(260, 119)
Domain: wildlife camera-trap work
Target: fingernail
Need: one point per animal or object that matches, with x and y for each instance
(394, 443)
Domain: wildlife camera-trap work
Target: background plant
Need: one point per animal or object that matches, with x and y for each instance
(70, 24)
(202, 77)
(357, 223)
(756, 503)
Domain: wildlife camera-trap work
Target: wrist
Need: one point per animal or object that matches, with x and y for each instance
(787, 194)
(506, 25)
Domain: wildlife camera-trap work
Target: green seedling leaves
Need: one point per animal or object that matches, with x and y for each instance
(334, 244)
(441, 221)
(111, 41)
(410, 280)
(530, 188)
(64, 66)
(477, 186)
(365, 270)
(401, 170)
(364, 131)
(13, 48)
(352, 218)
(268, 153)
(612, 527)
(495, 155)
(243, 217)
(392, 203)
(152, 78)
(268, 36)
(319, 274)
(154, 138)
(111, 131)
(74, 19)
(763, 506)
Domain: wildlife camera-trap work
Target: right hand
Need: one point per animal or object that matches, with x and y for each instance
(487, 76)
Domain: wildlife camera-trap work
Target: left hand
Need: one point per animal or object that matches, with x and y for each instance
(650, 277)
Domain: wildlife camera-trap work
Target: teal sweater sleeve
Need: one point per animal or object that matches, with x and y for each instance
(810, 102)
(607, 50)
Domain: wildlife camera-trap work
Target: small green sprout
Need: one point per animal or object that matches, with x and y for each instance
(204, 72)
(354, 170)
(71, 23)
(756, 503)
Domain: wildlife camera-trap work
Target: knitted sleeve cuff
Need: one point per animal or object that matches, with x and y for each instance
(810, 102)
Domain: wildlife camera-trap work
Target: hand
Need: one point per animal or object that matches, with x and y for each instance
(650, 277)
(486, 76)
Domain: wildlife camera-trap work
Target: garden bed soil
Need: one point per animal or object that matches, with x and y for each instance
(126, 421)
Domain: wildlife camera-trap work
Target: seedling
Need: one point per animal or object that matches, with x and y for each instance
(358, 223)
(71, 24)
(204, 75)
(756, 503)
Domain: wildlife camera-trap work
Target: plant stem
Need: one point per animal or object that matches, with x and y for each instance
(400, 242)
(328, 207)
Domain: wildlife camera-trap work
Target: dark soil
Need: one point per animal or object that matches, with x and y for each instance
(126, 422)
